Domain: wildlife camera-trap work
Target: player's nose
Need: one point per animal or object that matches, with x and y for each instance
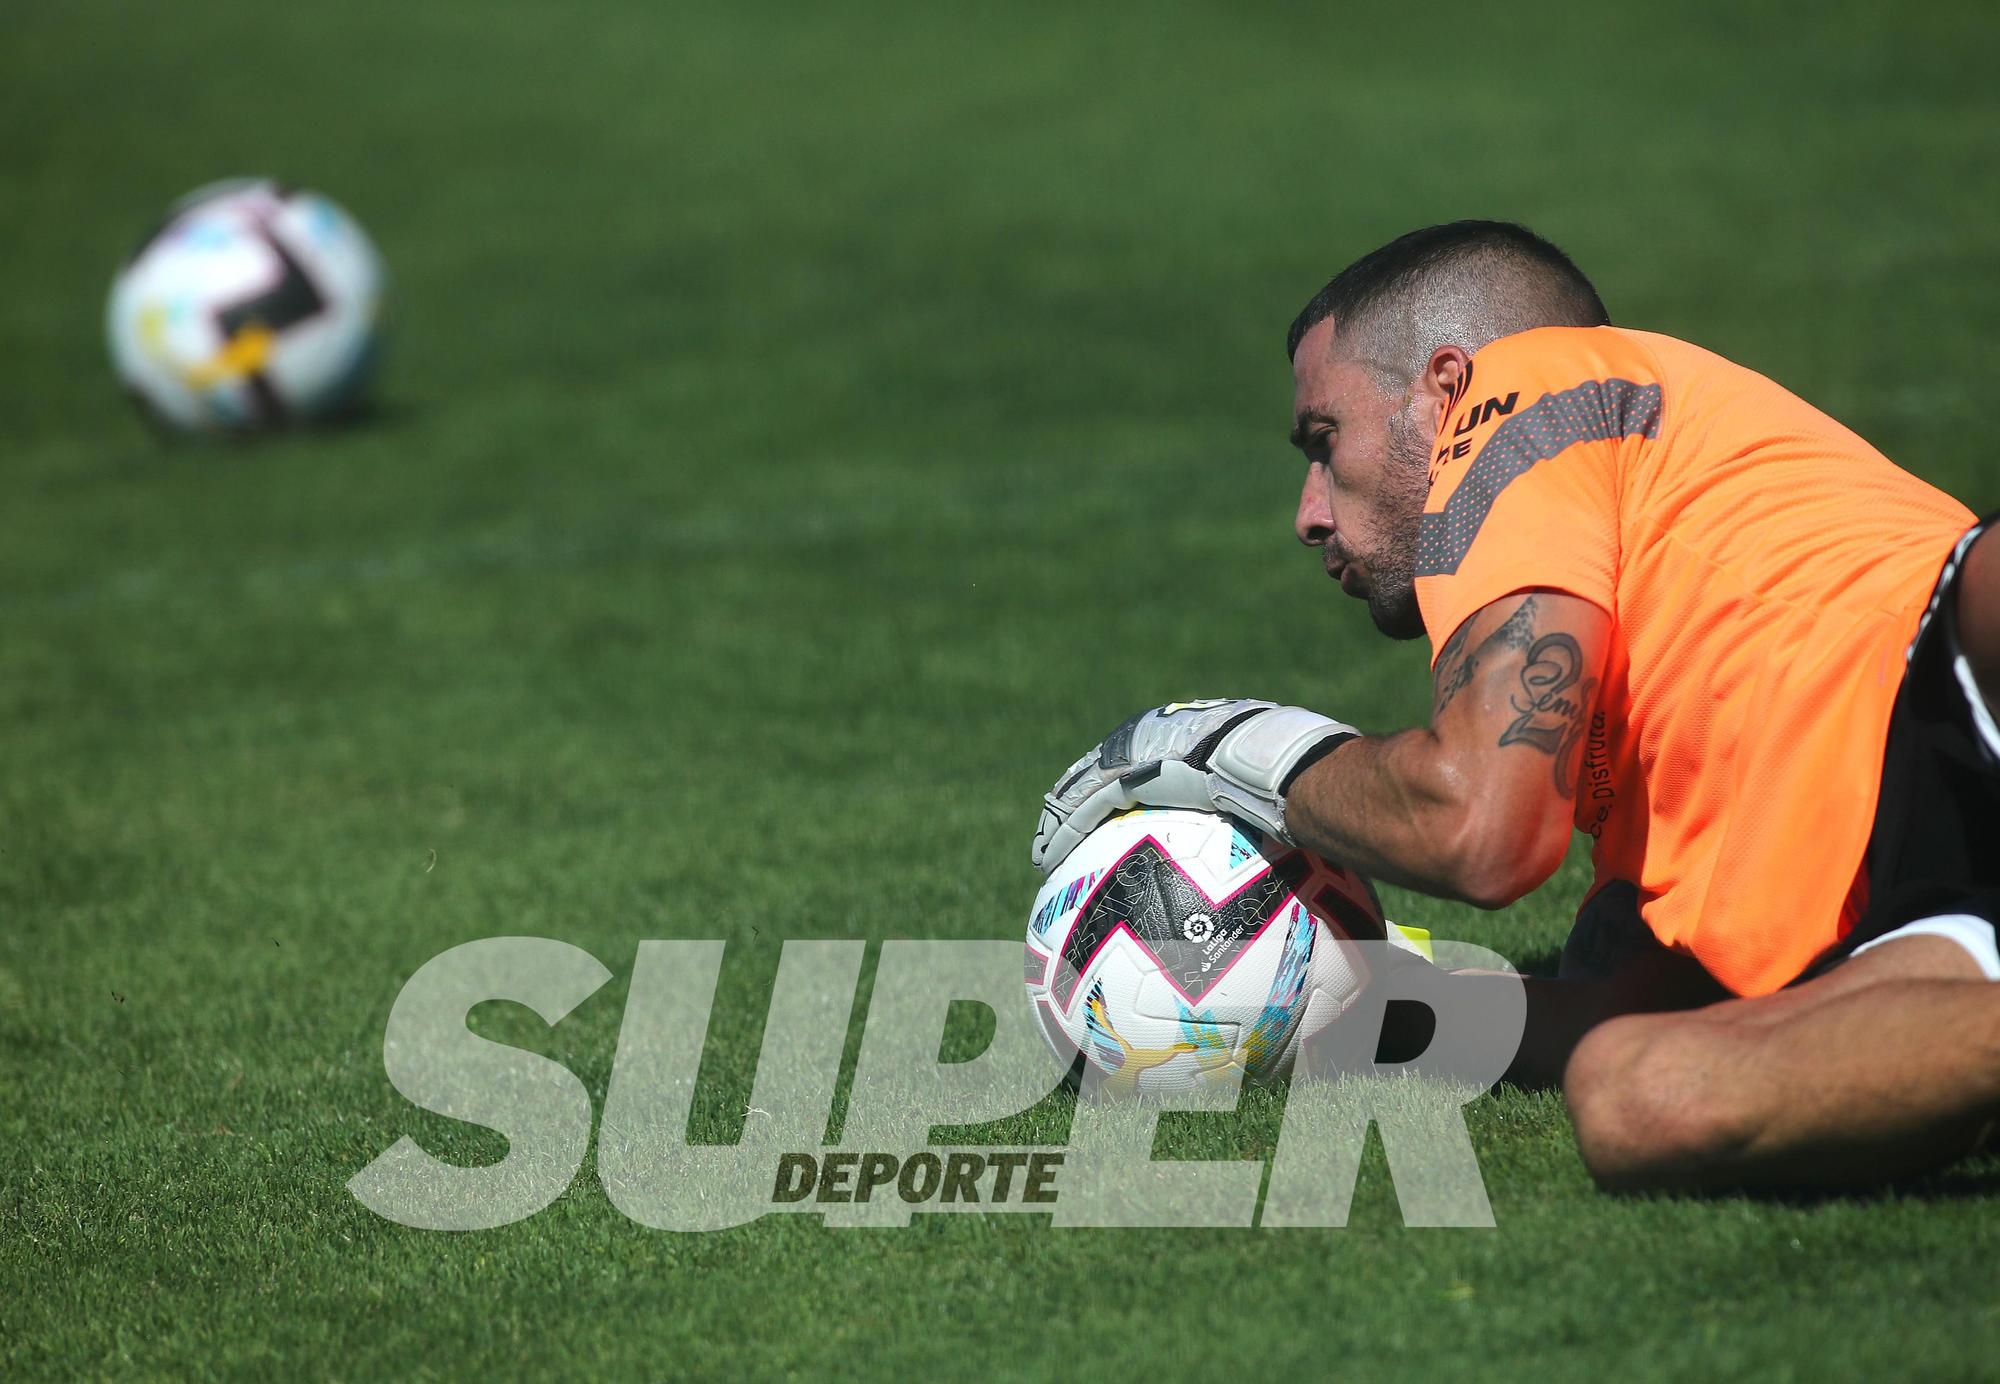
(1313, 521)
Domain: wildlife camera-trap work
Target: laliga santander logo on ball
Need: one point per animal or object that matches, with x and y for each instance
(1154, 983)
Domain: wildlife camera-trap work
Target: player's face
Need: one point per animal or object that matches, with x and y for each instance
(1366, 478)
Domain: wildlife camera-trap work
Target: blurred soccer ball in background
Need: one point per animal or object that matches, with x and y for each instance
(252, 306)
(1172, 946)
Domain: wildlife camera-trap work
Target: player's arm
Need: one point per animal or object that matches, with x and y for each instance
(1478, 805)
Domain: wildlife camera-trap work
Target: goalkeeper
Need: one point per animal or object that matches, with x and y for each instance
(1674, 607)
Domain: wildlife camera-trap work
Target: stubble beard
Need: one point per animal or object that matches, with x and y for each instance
(1392, 591)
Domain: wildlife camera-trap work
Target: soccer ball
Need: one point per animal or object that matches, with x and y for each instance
(1172, 946)
(253, 305)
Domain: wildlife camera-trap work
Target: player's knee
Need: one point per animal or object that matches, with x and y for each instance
(1648, 1111)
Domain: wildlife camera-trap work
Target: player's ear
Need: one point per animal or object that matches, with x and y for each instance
(1444, 378)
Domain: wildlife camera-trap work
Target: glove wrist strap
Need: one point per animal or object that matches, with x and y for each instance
(1314, 756)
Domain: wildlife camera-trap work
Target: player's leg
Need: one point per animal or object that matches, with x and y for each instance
(1611, 965)
(1887, 1065)
(1561, 1012)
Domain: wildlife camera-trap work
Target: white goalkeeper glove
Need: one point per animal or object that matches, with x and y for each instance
(1228, 756)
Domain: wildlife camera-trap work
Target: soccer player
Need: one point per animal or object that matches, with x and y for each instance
(1674, 607)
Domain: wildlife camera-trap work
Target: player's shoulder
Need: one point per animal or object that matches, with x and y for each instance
(1563, 356)
(1544, 390)
(1558, 358)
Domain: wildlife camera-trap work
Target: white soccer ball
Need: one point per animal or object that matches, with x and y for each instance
(253, 305)
(1172, 946)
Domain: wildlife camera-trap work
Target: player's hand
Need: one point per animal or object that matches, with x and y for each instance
(1218, 756)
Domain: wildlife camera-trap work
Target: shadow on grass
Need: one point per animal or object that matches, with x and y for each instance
(1972, 1179)
(366, 415)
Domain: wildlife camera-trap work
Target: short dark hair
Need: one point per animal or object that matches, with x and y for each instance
(1519, 280)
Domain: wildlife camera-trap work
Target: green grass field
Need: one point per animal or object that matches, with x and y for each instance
(804, 433)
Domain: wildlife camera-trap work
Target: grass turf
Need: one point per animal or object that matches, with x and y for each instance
(805, 431)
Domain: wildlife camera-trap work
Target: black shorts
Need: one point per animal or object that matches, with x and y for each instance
(1935, 848)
